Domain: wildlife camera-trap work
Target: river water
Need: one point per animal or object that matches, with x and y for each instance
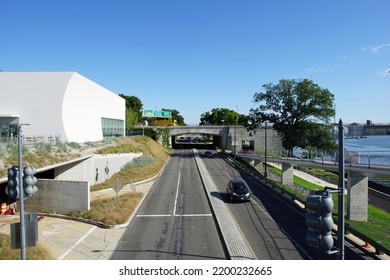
(369, 150)
(368, 144)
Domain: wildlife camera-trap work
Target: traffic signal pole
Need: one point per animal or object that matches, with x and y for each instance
(319, 206)
(21, 199)
(341, 190)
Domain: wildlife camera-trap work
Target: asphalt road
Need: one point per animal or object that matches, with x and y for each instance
(175, 220)
(259, 218)
(275, 229)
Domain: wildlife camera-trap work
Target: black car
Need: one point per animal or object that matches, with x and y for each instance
(238, 190)
(208, 154)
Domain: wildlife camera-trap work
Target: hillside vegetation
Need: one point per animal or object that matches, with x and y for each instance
(107, 210)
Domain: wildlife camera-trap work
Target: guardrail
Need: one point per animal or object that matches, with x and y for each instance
(374, 169)
(379, 248)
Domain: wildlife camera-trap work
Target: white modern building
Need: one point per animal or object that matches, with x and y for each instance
(64, 105)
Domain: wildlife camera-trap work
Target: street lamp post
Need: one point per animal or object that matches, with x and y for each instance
(235, 134)
(265, 149)
(21, 199)
(341, 190)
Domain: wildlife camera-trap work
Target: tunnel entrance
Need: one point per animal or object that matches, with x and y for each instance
(198, 141)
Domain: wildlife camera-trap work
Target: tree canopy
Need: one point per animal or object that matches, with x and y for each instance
(222, 116)
(300, 112)
(133, 110)
(176, 116)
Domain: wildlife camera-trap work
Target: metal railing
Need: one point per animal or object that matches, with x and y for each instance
(369, 159)
(33, 140)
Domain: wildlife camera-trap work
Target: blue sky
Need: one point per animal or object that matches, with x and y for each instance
(196, 55)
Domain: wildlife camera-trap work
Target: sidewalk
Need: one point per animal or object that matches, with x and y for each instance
(67, 239)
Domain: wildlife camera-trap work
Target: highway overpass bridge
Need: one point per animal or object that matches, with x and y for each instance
(228, 137)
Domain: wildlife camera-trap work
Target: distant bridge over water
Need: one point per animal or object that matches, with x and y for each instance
(369, 129)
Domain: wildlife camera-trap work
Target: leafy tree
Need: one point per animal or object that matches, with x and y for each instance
(131, 119)
(133, 110)
(176, 116)
(133, 103)
(300, 112)
(222, 116)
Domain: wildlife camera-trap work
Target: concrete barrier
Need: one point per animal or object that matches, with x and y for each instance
(57, 196)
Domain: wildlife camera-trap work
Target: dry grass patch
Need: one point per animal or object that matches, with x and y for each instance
(111, 211)
(35, 253)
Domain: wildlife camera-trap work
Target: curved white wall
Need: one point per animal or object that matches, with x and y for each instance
(59, 103)
(36, 98)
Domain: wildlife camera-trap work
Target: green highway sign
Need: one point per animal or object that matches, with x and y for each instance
(157, 114)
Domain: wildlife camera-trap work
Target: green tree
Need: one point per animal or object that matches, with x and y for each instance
(133, 103)
(131, 119)
(222, 116)
(133, 110)
(176, 116)
(300, 112)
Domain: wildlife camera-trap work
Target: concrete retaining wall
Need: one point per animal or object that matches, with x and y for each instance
(95, 169)
(59, 196)
(70, 190)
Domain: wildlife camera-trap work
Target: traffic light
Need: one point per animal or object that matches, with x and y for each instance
(319, 205)
(13, 183)
(29, 181)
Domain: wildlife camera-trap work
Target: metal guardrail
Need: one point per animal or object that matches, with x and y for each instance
(373, 169)
(379, 248)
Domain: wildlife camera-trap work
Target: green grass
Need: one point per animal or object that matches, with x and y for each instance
(119, 149)
(377, 227)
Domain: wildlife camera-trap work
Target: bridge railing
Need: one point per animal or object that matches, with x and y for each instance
(370, 159)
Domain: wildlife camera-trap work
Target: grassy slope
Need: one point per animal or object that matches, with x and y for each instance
(104, 210)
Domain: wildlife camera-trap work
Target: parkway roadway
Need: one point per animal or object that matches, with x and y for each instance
(177, 220)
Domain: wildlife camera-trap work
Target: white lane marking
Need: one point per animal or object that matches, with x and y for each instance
(177, 193)
(76, 244)
(181, 215)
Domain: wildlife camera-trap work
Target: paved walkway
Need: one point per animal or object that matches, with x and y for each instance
(67, 239)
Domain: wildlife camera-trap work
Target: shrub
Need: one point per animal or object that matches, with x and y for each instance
(89, 143)
(74, 145)
(43, 147)
(139, 161)
(62, 146)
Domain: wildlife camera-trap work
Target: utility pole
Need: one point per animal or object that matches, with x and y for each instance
(265, 148)
(21, 192)
(235, 133)
(341, 189)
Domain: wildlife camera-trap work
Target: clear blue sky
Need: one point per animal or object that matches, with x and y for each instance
(196, 55)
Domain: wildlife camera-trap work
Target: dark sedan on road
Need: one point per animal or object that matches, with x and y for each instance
(238, 190)
(208, 154)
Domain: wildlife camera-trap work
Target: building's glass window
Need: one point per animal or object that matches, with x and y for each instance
(112, 127)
